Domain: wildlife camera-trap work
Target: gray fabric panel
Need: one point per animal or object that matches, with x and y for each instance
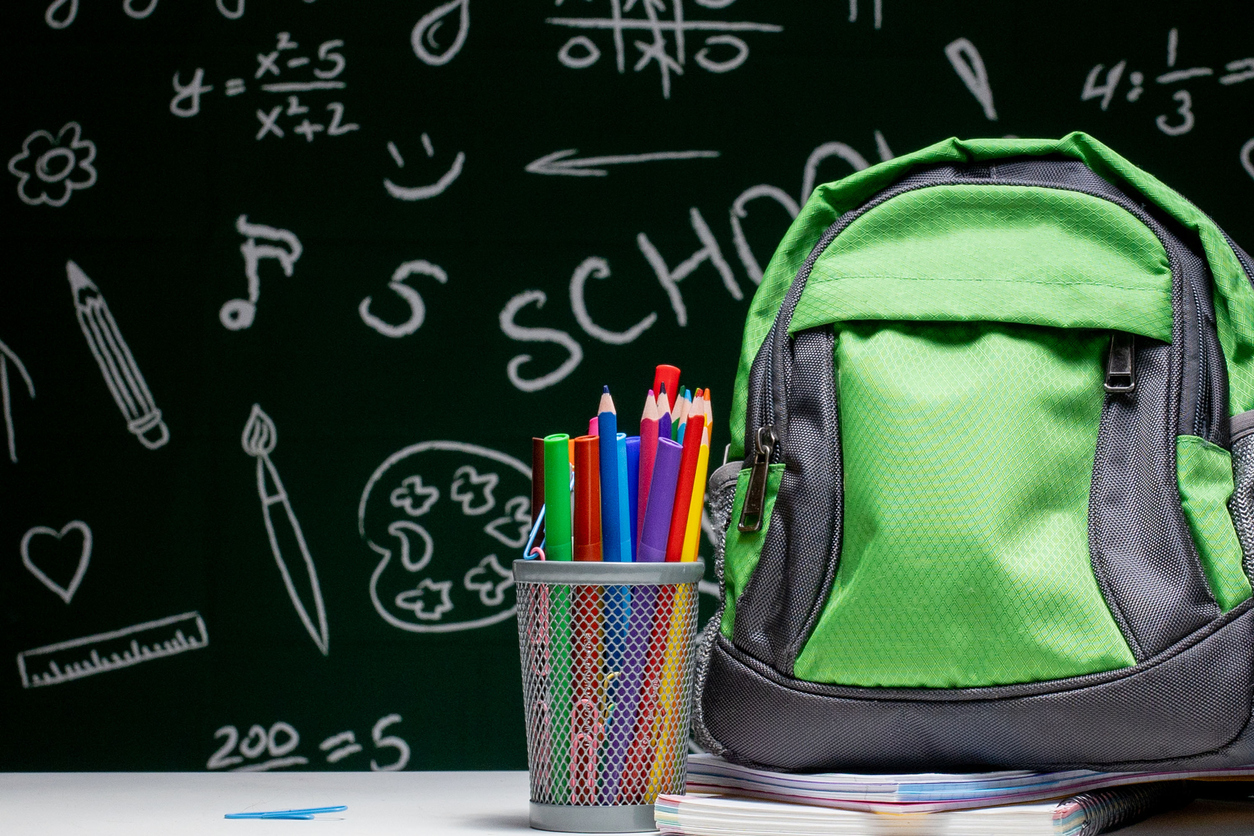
(1192, 702)
(1241, 505)
(1242, 425)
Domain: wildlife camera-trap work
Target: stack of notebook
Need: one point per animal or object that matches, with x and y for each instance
(725, 799)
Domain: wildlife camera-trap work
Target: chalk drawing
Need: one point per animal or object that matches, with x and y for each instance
(881, 147)
(423, 40)
(117, 365)
(49, 169)
(1247, 162)
(278, 742)
(423, 192)
(258, 440)
(389, 741)
(599, 268)
(228, 12)
(340, 746)
(878, 12)
(66, 18)
(818, 155)
(520, 333)
(238, 314)
(186, 101)
(739, 212)
(7, 356)
(415, 497)
(667, 46)
(77, 658)
(134, 13)
(564, 162)
(417, 309)
(670, 279)
(131, 7)
(65, 593)
(418, 596)
(967, 62)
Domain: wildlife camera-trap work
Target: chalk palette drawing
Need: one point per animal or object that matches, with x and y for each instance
(565, 162)
(6, 402)
(65, 593)
(61, 13)
(238, 314)
(301, 579)
(77, 658)
(49, 169)
(967, 62)
(117, 365)
(430, 190)
(412, 298)
(667, 43)
(877, 12)
(423, 37)
(526, 334)
(278, 742)
(431, 575)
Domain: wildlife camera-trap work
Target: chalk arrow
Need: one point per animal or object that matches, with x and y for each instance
(564, 162)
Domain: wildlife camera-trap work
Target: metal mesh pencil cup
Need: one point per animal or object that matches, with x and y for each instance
(607, 660)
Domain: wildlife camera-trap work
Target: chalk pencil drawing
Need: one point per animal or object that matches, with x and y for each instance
(65, 593)
(423, 36)
(258, 440)
(721, 51)
(416, 593)
(565, 162)
(411, 193)
(7, 356)
(417, 308)
(117, 364)
(101, 652)
(238, 314)
(967, 62)
(49, 169)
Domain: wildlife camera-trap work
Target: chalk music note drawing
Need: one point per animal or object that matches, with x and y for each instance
(7, 355)
(258, 440)
(238, 314)
(117, 365)
(65, 593)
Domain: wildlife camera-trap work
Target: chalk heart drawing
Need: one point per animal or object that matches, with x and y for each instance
(49, 168)
(39, 535)
(429, 514)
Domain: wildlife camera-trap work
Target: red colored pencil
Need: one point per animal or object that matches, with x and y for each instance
(687, 475)
(648, 454)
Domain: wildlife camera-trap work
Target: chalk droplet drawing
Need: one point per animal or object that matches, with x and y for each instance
(51, 168)
(7, 356)
(238, 314)
(258, 440)
(64, 592)
(430, 190)
(426, 514)
(565, 162)
(412, 298)
(424, 40)
(77, 658)
(967, 62)
(117, 365)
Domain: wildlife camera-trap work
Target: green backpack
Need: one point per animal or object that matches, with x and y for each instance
(991, 406)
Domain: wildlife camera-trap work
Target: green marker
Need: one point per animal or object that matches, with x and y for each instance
(557, 535)
(559, 546)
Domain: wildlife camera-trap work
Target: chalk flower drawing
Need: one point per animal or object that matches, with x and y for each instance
(417, 599)
(467, 484)
(49, 168)
(415, 497)
(490, 579)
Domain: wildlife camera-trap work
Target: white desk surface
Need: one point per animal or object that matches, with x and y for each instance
(379, 804)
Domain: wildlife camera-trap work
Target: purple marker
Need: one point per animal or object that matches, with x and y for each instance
(657, 516)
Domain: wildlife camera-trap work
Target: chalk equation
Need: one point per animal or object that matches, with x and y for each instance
(49, 169)
(56, 551)
(238, 314)
(7, 356)
(102, 652)
(284, 78)
(261, 749)
(1103, 85)
(428, 190)
(433, 515)
(117, 365)
(664, 40)
(61, 13)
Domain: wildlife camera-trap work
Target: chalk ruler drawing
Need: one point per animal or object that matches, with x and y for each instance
(65, 593)
(258, 440)
(967, 62)
(61, 13)
(417, 310)
(423, 36)
(7, 356)
(117, 365)
(437, 506)
(720, 52)
(53, 166)
(238, 314)
(565, 162)
(428, 191)
(77, 658)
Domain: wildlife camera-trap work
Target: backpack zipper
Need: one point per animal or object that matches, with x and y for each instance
(755, 497)
(1121, 363)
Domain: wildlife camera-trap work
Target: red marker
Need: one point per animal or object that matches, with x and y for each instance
(687, 476)
(668, 376)
(587, 498)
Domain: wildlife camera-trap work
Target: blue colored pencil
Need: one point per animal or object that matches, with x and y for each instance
(607, 432)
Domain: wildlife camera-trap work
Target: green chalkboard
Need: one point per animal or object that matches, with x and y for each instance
(301, 279)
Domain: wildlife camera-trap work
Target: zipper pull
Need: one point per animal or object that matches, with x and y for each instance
(1121, 363)
(755, 496)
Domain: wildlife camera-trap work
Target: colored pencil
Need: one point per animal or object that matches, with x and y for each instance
(692, 535)
(586, 727)
(624, 753)
(537, 485)
(679, 412)
(587, 499)
(651, 712)
(633, 489)
(648, 452)
(618, 599)
(624, 501)
(667, 737)
(557, 542)
(611, 533)
(663, 415)
(683, 486)
(657, 517)
(667, 376)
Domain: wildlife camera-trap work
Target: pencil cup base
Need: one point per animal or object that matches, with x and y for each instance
(636, 818)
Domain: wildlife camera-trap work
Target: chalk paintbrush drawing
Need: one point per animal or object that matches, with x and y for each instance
(565, 162)
(969, 66)
(238, 314)
(427, 515)
(117, 365)
(49, 169)
(64, 592)
(77, 658)
(287, 540)
(412, 298)
(424, 192)
(7, 357)
(434, 47)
